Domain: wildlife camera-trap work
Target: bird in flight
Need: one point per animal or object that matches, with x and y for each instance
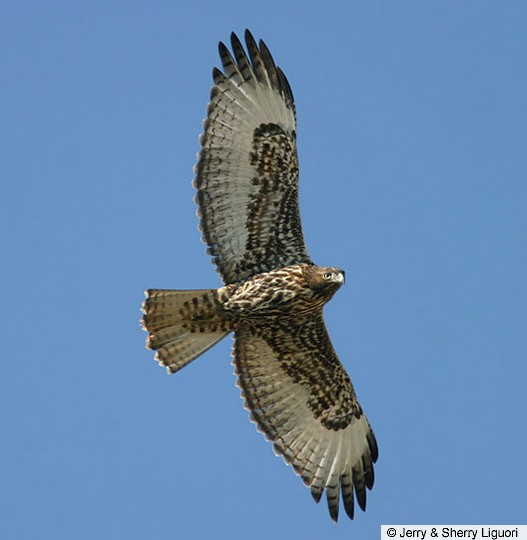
(297, 391)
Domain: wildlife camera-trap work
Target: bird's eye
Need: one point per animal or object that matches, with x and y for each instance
(326, 275)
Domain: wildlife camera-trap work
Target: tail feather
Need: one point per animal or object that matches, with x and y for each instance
(176, 354)
(164, 307)
(182, 325)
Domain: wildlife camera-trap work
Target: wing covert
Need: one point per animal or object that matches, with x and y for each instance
(302, 399)
(247, 171)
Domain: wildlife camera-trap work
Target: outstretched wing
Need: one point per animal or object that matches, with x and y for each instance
(247, 171)
(302, 399)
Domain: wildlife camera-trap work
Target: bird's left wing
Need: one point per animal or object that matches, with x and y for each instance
(302, 399)
(247, 170)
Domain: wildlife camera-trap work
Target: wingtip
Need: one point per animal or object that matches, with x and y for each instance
(333, 508)
(247, 34)
(235, 40)
(316, 494)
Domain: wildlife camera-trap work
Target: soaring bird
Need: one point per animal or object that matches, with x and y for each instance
(297, 391)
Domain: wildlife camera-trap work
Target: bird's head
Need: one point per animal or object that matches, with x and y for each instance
(326, 279)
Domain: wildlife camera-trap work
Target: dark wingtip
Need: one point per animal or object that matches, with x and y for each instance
(361, 499)
(360, 487)
(235, 40)
(217, 74)
(333, 507)
(248, 35)
(349, 508)
(317, 495)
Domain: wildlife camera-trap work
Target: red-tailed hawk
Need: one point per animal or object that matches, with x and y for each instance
(292, 381)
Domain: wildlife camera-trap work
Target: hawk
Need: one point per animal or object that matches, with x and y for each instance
(297, 391)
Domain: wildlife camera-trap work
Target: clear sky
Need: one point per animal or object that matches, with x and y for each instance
(412, 145)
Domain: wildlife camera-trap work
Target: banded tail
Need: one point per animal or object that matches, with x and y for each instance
(182, 325)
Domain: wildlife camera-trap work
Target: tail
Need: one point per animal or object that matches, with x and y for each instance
(182, 325)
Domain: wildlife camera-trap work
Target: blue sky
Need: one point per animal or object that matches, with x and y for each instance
(412, 146)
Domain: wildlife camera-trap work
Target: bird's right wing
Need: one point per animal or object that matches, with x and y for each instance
(247, 170)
